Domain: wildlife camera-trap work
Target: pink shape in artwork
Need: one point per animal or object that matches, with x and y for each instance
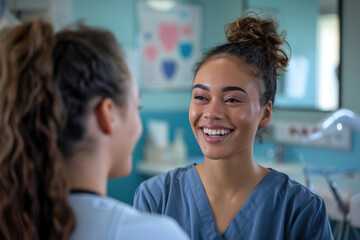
(150, 53)
(187, 30)
(169, 35)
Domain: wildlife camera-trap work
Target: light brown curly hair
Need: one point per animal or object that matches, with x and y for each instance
(33, 187)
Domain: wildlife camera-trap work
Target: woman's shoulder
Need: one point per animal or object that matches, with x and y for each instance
(93, 212)
(89, 202)
(140, 225)
(305, 210)
(153, 194)
(169, 178)
(106, 218)
(293, 192)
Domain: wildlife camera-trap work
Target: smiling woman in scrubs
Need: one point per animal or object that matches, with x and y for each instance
(230, 196)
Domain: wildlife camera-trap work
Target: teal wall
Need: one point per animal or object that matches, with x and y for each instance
(351, 55)
(114, 15)
(301, 35)
(118, 16)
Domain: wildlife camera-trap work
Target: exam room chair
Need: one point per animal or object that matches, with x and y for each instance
(353, 217)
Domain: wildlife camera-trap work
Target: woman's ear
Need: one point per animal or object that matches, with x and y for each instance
(266, 114)
(104, 115)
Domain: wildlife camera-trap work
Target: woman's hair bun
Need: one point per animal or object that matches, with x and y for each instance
(254, 31)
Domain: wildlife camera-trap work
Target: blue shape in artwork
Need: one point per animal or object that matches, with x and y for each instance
(186, 49)
(148, 36)
(169, 67)
(184, 14)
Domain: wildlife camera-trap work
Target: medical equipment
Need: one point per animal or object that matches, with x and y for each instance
(331, 125)
(306, 171)
(308, 183)
(354, 217)
(336, 192)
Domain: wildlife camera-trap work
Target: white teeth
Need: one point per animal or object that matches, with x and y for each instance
(216, 132)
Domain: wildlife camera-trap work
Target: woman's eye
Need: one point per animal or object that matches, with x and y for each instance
(201, 98)
(232, 100)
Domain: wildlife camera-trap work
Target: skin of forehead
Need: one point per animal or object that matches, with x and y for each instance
(249, 69)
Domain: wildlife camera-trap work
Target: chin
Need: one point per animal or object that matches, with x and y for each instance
(214, 155)
(121, 169)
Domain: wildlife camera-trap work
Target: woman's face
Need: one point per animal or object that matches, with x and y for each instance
(225, 110)
(128, 133)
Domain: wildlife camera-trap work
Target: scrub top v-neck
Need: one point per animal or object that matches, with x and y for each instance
(240, 221)
(278, 208)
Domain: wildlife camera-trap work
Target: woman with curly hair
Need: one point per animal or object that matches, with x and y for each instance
(69, 120)
(229, 195)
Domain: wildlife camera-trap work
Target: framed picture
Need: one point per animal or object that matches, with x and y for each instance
(170, 40)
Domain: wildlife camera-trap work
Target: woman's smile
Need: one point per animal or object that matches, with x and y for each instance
(215, 134)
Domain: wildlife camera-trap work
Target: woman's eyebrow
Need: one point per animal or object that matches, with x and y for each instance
(201, 87)
(233, 88)
(225, 89)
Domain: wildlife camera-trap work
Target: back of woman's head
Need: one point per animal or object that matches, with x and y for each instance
(88, 67)
(33, 189)
(256, 42)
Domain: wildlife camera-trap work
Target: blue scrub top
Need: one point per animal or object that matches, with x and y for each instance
(278, 208)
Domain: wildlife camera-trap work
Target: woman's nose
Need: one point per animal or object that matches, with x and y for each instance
(214, 110)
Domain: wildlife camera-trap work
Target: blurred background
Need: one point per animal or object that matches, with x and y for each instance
(163, 39)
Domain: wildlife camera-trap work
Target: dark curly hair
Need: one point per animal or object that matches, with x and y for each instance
(255, 41)
(33, 187)
(88, 65)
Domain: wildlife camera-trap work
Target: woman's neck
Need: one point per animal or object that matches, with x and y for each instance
(230, 175)
(87, 172)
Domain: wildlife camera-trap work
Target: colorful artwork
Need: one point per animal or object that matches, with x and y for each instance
(170, 42)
